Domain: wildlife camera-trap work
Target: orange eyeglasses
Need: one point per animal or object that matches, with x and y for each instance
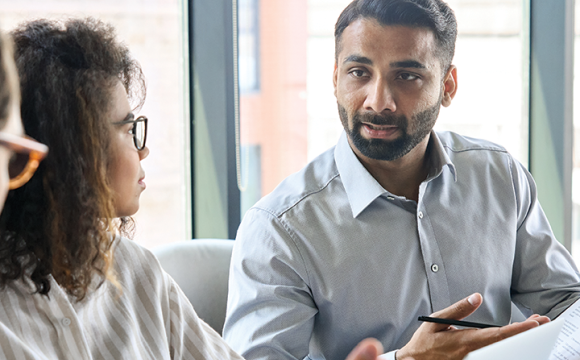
(27, 155)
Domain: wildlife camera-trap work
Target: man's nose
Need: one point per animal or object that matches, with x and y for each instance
(380, 97)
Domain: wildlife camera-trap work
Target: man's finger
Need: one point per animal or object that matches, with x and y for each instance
(368, 349)
(516, 328)
(540, 319)
(457, 311)
(484, 337)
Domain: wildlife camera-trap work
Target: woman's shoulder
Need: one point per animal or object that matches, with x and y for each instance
(131, 251)
(134, 262)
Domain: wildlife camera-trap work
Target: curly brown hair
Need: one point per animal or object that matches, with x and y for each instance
(61, 223)
(8, 79)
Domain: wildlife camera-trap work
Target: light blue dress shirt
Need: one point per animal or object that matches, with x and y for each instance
(330, 257)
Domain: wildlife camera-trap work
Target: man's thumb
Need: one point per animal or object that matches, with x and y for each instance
(368, 349)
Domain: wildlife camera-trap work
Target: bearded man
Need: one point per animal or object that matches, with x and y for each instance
(397, 220)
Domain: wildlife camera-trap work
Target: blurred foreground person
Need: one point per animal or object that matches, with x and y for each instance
(19, 155)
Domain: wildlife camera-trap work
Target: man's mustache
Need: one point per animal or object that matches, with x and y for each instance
(375, 119)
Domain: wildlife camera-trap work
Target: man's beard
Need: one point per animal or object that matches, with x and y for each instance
(389, 150)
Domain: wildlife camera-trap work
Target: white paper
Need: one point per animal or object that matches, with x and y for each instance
(568, 343)
(534, 344)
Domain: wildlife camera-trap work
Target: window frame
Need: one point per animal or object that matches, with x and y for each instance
(215, 197)
(551, 71)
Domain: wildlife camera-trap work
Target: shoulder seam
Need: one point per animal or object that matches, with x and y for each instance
(291, 206)
(291, 235)
(495, 149)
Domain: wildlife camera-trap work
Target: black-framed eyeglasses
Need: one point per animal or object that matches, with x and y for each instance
(27, 155)
(139, 130)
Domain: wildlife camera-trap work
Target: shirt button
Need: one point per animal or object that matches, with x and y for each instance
(420, 214)
(434, 268)
(65, 321)
(390, 198)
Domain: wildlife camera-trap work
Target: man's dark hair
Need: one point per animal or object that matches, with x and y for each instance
(432, 14)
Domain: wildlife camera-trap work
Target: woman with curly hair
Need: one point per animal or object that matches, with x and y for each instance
(71, 285)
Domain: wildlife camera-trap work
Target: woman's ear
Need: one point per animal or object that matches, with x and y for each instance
(449, 86)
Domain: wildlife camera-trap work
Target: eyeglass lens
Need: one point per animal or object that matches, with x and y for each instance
(139, 133)
(17, 164)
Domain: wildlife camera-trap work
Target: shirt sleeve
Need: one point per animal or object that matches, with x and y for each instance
(545, 279)
(270, 312)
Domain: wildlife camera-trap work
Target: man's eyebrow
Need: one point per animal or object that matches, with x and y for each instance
(358, 59)
(408, 64)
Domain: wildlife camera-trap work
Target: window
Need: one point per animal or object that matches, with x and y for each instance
(248, 45)
(154, 33)
(491, 75)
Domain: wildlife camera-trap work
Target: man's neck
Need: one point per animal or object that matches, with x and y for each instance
(403, 176)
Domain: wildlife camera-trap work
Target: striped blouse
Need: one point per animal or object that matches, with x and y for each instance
(150, 319)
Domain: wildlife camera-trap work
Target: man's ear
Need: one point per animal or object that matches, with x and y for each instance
(449, 86)
(335, 77)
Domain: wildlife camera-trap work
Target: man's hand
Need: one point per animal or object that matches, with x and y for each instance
(368, 349)
(437, 341)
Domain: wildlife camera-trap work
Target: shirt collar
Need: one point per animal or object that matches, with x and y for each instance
(362, 188)
(439, 158)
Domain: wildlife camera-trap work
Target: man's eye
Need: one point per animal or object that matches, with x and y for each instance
(358, 73)
(408, 76)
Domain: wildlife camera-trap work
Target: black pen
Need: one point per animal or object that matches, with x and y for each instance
(455, 322)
